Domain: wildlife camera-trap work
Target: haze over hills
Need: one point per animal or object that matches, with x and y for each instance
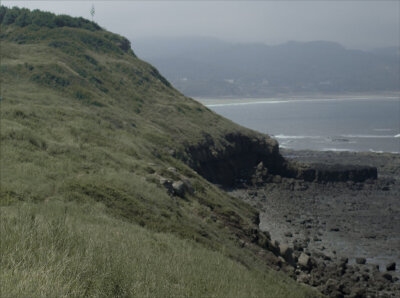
(208, 67)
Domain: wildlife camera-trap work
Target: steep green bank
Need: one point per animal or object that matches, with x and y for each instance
(85, 123)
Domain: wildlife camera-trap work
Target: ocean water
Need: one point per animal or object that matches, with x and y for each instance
(370, 123)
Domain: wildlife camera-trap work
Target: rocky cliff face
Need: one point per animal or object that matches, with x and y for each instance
(236, 161)
(337, 173)
(256, 159)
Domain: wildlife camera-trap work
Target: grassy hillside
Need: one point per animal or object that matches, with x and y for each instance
(87, 132)
(68, 250)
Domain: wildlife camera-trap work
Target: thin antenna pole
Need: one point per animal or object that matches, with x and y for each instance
(92, 11)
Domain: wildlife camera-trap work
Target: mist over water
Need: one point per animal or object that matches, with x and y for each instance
(361, 124)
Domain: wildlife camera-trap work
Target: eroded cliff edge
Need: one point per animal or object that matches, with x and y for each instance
(256, 159)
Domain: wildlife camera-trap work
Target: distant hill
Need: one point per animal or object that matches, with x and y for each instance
(210, 67)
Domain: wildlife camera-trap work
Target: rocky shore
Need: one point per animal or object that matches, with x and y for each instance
(341, 237)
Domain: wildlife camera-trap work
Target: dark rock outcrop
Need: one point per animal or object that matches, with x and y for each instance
(255, 159)
(361, 261)
(391, 266)
(335, 173)
(236, 160)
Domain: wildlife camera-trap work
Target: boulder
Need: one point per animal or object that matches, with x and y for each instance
(172, 170)
(361, 261)
(304, 261)
(303, 278)
(391, 266)
(179, 188)
(286, 252)
(331, 286)
(277, 179)
(299, 244)
(288, 234)
(274, 246)
(167, 184)
(188, 186)
(260, 175)
(387, 276)
(357, 292)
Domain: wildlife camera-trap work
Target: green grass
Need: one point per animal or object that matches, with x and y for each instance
(58, 249)
(86, 131)
(56, 145)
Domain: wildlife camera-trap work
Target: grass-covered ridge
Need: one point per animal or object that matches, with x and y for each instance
(23, 17)
(85, 123)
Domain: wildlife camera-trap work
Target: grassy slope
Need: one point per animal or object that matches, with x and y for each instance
(65, 250)
(85, 122)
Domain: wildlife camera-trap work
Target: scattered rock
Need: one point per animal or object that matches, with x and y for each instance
(358, 293)
(325, 212)
(277, 179)
(343, 262)
(172, 169)
(361, 261)
(288, 234)
(387, 276)
(167, 184)
(260, 175)
(331, 285)
(303, 278)
(179, 188)
(267, 235)
(304, 261)
(391, 266)
(299, 244)
(286, 252)
(281, 261)
(188, 186)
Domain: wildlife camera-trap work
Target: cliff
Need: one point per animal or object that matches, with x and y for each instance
(256, 160)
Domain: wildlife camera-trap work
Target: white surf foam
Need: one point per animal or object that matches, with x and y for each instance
(372, 136)
(379, 151)
(246, 103)
(375, 151)
(295, 100)
(296, 137)
(337, 149)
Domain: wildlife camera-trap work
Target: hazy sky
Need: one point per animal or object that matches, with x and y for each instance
(355, 24)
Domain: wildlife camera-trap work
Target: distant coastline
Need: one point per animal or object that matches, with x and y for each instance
(362, 122)
(222, 101)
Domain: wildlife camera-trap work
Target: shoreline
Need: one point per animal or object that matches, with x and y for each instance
(336, 150)
(336, 221)
(287, 98)
(311, 126)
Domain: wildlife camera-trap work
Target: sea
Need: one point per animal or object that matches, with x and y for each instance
(368, 123)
